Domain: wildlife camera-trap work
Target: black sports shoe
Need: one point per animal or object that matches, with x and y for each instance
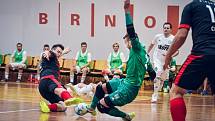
(4, 80)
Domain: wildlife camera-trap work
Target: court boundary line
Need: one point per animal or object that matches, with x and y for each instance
(15, 111)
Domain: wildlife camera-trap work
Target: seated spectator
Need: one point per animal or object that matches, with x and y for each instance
(17, 61)
(83, 59)
(115, 62)
(45, 48)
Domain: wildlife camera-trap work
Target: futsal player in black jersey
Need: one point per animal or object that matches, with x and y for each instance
(198, 15)
(49, 87)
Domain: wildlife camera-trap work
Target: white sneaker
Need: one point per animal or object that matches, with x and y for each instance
(18, 80)
(72, 88)
(154, 98)
(86, 89)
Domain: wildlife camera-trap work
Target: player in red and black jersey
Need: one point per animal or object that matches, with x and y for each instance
(49, 87)
(199, 15)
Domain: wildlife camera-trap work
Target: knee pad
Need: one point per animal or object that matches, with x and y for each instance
(109, 89)
(101, 108)
(99, 92)
(108, 102)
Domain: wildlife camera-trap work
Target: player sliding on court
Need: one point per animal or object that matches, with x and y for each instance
(122, 91)
(49, 87)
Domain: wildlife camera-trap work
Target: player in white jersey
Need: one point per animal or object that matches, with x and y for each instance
(81, 89)
(162, 43)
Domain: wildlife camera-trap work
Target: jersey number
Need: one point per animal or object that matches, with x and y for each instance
(212, 12)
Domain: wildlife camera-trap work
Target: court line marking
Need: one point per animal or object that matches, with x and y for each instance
(3, 112)
(15, 111)
(161, 104)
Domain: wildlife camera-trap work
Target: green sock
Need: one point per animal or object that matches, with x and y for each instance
(99, 94)
(165, 84)
(94, 102)
(116, 112)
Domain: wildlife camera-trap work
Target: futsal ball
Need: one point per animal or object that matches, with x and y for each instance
(81, 109)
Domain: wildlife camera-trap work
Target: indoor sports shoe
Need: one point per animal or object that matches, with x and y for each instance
(154, 98)
(18, 80)
(165, 90)
(71, 87)
(44, 107)
(72, 101)
(189, 91)
(92, 112)
(4, 80)
(129, 116)
(204, 92)
(44, 117)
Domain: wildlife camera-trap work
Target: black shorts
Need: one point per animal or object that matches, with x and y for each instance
(46, 89)
(194, 71)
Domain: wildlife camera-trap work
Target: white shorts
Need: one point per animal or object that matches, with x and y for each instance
(17, 65)
(82, 89)
(78, 69)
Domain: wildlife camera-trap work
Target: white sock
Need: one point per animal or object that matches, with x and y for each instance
(19, 76)
(6, 74)
(157, 85)
(72, 78)
(106, 77)
(82, 79)
(38, 77)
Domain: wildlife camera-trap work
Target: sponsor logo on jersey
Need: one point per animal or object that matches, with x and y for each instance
(163, 47)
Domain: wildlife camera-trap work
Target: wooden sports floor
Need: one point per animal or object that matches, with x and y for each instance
(19, 102)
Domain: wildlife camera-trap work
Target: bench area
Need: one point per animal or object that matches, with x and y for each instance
(95, 75)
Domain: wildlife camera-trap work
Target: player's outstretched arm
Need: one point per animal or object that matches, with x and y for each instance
(179, 40)
(46, 54)
(130, 27)
(66, 51)
(129, 21)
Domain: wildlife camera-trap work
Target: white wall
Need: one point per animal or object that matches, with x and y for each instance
(19, 22)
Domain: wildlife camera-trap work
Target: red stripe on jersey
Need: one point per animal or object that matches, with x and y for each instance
(186, 63)
(186, 26)
(53, 79)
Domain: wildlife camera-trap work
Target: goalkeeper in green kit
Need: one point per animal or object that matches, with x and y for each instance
(123, 91)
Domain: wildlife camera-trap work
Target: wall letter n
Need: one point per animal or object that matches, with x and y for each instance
(108, 20)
